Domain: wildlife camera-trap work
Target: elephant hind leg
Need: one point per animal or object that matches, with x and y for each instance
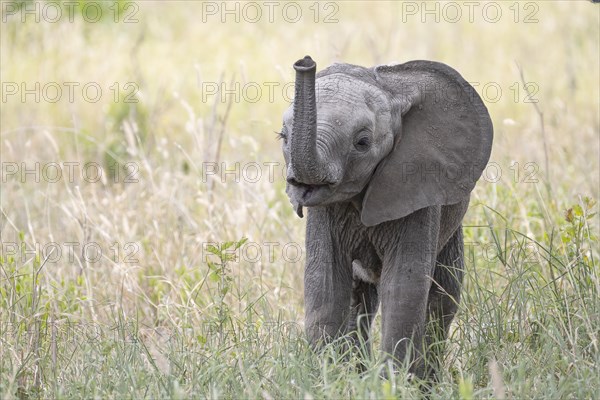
(444, 297)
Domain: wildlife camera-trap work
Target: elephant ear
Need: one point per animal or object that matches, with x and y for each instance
(442, 141)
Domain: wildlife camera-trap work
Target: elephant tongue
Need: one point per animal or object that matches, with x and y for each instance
(299, 210)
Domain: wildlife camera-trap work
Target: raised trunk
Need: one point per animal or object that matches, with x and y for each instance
(304, 156)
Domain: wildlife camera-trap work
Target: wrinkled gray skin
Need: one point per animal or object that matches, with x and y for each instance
(384, 159)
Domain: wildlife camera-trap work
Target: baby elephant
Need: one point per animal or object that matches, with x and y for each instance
(385, 159)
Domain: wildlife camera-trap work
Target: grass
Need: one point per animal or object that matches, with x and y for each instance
(172, 279)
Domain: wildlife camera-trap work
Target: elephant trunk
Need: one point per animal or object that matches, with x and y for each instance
(304, 156)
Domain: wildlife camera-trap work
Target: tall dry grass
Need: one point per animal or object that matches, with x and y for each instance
(172, 309)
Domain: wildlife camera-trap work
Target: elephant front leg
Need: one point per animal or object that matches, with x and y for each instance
(404, 288)
(327, 281)
(403, 315)
(327, 302)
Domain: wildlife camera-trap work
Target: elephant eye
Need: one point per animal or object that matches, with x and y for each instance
(363, 143)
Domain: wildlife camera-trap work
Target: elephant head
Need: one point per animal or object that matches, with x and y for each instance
(390, 139)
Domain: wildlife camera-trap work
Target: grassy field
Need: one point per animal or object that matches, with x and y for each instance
(165, 260)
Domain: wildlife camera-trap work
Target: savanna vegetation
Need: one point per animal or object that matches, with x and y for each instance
(149, 249)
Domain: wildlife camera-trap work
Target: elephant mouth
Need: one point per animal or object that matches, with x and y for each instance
(309, 195)
(309, 190)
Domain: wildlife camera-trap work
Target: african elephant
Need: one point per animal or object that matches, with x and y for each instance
(385, 159)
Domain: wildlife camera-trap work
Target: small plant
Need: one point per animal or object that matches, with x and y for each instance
(220, 273)
(578, 234)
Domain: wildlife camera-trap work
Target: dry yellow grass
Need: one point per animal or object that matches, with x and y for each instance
(171, 138)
